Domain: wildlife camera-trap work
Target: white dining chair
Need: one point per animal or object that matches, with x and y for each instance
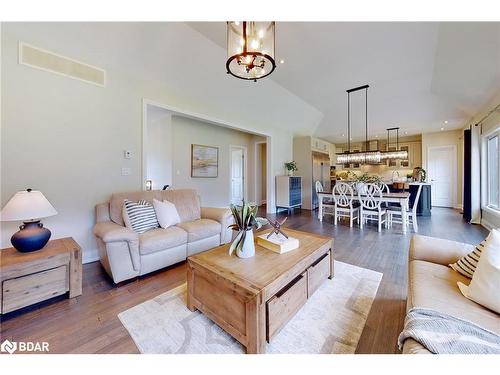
(394, 213)
(371, 206)
(328, 204)
(385, 189)
(344, 205)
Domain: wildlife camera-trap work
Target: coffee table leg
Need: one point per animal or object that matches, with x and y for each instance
(332, 262)
(256, 326)
(190, 276)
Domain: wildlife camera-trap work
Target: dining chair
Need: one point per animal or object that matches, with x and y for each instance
(343, 197)
(328, 204)
(411, 212)
(371, 206)
(385, 189)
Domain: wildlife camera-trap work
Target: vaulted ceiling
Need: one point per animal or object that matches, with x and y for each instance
(422, 76)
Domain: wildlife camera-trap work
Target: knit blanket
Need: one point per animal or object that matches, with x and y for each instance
(445, 334)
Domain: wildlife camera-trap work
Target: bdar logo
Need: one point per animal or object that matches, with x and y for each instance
(9, 347)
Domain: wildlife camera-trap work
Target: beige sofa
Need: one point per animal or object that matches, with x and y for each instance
(126, 254)
(433, 285)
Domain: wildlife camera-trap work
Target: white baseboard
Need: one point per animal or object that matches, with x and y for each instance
(90, 255)
(486, 224)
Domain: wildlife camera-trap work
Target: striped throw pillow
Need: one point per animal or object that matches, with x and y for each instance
(467, 264)
(141, 215)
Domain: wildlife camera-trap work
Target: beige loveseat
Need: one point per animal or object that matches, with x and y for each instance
(126, 254)
(433, 285)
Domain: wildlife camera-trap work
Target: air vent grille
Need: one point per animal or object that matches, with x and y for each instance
(41, 59)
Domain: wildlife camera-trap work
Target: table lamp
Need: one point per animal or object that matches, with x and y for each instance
(28, 206)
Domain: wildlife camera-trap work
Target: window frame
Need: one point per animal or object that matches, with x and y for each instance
(485, 204)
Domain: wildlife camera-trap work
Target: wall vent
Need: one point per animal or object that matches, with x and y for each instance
(52, 62)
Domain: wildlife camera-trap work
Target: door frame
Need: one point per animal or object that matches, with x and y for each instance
(245, 169)
(455, 168)
(256, 159)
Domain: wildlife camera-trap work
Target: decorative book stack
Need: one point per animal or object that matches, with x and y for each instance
(277, 243)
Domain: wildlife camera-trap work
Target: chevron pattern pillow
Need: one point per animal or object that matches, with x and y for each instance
(467, 264)
(141, 216)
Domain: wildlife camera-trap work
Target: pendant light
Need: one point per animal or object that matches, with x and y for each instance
(364, 157)
(250, 49)
(397, 154)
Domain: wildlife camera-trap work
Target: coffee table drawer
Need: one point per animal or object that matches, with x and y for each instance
(317, 274)
(283, 306)
(26, 290)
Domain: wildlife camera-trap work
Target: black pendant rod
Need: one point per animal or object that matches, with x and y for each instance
(358, 88)
(348, 121)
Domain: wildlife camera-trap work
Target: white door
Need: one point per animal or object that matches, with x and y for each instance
(237, 173)
(442, 174)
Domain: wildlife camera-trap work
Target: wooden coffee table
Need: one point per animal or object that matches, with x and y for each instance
(253, 298)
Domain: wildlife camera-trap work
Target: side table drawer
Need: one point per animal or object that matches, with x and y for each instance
(283, 306)
(317, 274)
(30, 289)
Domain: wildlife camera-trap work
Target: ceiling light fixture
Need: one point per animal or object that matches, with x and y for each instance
(397, 154)
(365, 157)
(282, 61)
(446, 121)
(250, 49)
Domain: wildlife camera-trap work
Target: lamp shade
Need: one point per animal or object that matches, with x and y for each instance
(27, 205)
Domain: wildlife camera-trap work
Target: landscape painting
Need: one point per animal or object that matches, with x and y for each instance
(204, 161)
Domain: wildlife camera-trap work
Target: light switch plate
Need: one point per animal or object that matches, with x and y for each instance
(126, 171)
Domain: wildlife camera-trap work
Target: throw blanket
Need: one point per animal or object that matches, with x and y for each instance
(444, 334)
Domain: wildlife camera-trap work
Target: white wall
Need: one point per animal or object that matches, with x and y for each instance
(213, 191)
(159, 148)
(66, 138)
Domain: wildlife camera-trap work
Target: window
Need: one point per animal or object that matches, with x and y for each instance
(493, 171)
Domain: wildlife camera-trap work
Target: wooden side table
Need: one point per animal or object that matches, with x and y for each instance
(28, 278)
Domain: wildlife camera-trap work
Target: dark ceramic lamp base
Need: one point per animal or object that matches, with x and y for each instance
(32, 236)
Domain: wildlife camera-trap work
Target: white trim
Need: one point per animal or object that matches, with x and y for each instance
(90, 255)
(486, 224)
(455, 168)
(484, 170)
(245, 169)
(21, 62)
(256, 153)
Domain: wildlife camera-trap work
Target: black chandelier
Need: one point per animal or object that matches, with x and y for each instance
(250, 49)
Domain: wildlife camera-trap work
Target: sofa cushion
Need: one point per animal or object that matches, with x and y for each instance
(434, 286)
(161, 239)
(437, 250)
(186, 202)
(200, 229)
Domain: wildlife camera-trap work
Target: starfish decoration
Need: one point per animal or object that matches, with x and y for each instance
(276, 224)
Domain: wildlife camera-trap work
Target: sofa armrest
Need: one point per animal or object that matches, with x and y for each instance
(109, 231)
(102, 212)
(221, 215)
(437, 250)
(118, 237)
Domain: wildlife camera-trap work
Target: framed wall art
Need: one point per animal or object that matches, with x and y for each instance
(204, 161)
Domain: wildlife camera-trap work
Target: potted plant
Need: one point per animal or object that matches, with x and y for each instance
(245, 220)
(363, 179)
(291, 167)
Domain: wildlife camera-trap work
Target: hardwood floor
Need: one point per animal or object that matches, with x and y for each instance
(89, 323)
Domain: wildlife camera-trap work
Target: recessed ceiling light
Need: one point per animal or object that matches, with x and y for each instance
(376, 135)
(343, 135)
(442, 129)
(446, 121)
(282, 61)
(406, 132)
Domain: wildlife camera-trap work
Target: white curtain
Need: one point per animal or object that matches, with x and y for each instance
(476, 174)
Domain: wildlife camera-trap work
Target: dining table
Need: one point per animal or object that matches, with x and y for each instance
(402, 198)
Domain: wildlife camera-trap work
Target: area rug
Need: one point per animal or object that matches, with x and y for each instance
(331, 321)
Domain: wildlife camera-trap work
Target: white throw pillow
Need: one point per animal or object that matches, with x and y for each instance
(166, 213)
(485, 284)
